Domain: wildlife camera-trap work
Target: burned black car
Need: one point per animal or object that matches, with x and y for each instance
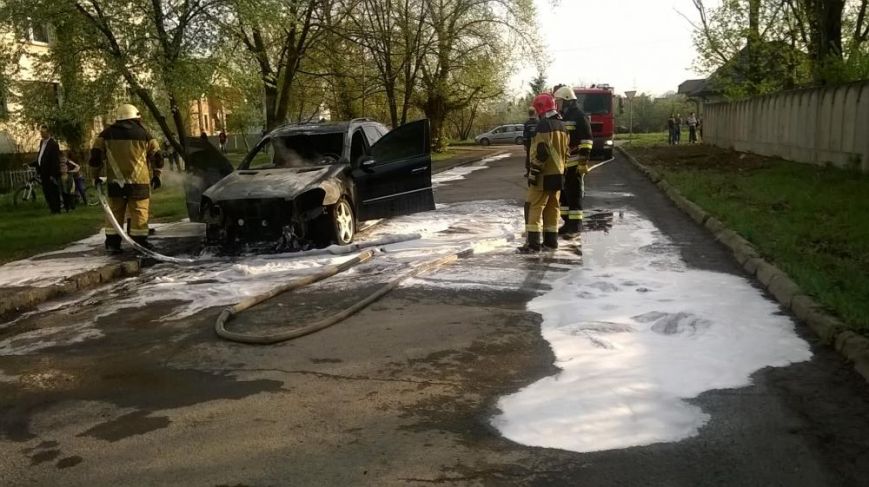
(308, 185)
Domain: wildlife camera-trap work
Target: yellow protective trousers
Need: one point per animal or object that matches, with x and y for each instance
(543, 211)
(137, 209)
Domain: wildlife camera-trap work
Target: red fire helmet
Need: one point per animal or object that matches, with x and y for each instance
(543, 104)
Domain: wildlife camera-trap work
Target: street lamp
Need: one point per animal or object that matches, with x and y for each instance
(630, 95)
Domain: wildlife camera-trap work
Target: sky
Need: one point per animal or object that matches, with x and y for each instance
(644, 45)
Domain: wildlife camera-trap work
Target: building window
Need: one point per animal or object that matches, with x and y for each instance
(37, 33)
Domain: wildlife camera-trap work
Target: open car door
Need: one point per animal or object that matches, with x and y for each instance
(395, 179)
(205, 166)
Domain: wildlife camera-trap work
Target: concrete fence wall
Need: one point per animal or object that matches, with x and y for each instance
(819, 126)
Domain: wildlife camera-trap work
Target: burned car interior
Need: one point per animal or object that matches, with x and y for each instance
(308, 185)
(297, 150)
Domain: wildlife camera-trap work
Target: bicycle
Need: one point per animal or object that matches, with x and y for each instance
(27, 192)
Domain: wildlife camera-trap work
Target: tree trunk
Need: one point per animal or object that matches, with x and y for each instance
(753, 46)
(825, 19)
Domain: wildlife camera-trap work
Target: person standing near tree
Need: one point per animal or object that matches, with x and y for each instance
(671, 129)
(69, 170)
(221, 138)
(126, 148)
(677, 129)
(692, 128)
(47, 164)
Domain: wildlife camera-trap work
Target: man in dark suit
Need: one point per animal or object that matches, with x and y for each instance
(48, 166)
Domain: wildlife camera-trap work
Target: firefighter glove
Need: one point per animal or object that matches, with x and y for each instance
(155, 182)
(582, 168)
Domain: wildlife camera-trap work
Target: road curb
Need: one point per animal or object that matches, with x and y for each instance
(30, 297)
(831, 330)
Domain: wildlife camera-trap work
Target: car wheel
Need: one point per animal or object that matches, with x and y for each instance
(520, 141)
(339, 224)
(484, 142)
(608, 154)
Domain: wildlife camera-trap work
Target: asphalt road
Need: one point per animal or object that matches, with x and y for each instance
(400, 394)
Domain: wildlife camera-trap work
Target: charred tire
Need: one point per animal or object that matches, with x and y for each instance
(338, 225)
(520, 141)
(484, 142)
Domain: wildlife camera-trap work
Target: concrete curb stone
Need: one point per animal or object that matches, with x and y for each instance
(766, 272)
(751, 265)
(784, 289)
(714, 224)
(829, 329)
(31, 297)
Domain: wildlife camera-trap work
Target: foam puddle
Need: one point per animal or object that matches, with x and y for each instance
(636, 333)
(461, 172)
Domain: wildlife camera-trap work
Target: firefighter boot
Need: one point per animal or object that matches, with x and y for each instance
(571, 229)
(550, 241)
(113, 244)
(143, 241)
(533, 244)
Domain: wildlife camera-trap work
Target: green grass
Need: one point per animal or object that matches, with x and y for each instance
(812, 222)
(30, 229)
(644, 140)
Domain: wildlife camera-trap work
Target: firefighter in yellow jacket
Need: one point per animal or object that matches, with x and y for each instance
(580, 145)
(545, 180)
(128, 151)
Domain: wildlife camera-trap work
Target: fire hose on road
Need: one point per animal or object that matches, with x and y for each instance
(220, 326)
(328, 271)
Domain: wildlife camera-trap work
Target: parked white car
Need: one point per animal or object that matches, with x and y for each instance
(505, 134)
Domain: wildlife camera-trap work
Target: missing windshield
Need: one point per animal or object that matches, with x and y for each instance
(297, 150)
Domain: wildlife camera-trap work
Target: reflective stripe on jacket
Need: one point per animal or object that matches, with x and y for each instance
(126, 148)
(549, 149)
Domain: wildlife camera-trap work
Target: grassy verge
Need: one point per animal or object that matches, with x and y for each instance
(643, 140)
(812, 222)
(31, 229)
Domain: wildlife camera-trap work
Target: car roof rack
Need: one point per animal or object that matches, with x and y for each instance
(362, 119)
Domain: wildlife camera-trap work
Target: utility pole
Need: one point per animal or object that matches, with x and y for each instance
(630, 95)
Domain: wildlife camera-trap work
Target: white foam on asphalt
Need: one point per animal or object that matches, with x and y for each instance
(42, 338)
(188, 290)
(461, 172)
(636, 334)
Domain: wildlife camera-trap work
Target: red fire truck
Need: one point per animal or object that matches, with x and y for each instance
(598, 102)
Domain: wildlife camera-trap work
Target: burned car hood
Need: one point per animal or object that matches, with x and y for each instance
(286, 183)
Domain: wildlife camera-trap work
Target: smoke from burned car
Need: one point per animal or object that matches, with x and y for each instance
(300, 150)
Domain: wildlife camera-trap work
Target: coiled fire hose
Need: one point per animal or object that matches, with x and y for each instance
(308, 328)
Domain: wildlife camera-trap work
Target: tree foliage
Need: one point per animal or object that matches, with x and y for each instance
(761, 46)
(278, 61)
